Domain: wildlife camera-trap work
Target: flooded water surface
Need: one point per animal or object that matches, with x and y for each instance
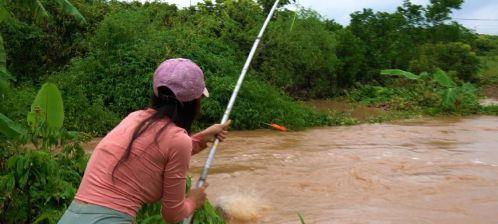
(442, 170)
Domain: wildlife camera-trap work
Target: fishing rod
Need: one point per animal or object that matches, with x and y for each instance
(212, 151)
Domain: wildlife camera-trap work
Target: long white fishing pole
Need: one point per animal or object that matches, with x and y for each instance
(212, 151)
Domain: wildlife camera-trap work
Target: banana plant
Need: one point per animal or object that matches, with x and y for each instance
(451, 94)
(399, 72)
(45, 119)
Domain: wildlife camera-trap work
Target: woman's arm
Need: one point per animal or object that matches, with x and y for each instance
(175, 206)
(199, 143)
(200, 140)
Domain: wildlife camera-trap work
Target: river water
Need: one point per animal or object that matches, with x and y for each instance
(431, 170)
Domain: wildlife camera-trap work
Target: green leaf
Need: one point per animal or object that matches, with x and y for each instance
(5, 15)
(398, 72)
(5, 76)
(24, 180)
(39, 11)
(68, 8)
(468, 88)
(449, 98)
(10, 128)
(47, 107)
(443, 79)
(7, 183)
(301, 219)
(424, 75)
(10, 182)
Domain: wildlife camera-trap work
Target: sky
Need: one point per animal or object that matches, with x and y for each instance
(339, 10)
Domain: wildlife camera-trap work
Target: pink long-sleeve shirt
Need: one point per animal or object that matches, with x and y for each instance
(153, 171)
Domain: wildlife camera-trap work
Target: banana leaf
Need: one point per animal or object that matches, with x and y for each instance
(10, 128)
(443, 79)
(47, 108)
(401, 73)
(68, 8)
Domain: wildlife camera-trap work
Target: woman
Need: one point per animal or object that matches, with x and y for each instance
(145, 158)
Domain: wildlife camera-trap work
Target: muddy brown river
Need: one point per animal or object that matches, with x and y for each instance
(431, 170)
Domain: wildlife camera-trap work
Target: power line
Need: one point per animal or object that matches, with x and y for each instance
(475, 19)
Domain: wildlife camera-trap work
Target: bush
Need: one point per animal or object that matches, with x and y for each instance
(301, 61)
(40, 166)
(350, 53)
(257, 103)
(453, 57)
(115, 77)
(437, 91)
(16, 103)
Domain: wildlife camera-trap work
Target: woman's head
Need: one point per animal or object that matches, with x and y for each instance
(178, 88)
(183, 77)
(166, 105)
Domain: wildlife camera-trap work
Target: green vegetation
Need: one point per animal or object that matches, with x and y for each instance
(41, 165)
(301, 219)
(102, 57)
(450, 96)
(104, 68)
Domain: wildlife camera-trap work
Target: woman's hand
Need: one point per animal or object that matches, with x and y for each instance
(219, 131)
(199, 195)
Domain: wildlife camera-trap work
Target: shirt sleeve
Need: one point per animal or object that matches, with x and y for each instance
(175, 207)
(198, 143)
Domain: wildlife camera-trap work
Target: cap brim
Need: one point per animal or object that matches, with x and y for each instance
(205, 93)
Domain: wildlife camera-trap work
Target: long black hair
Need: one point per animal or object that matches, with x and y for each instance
(166, 105)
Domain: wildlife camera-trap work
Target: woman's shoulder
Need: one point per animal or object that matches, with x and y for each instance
(177, 134)
(175, 141)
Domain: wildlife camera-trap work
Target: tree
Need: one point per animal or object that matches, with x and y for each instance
(34, 8)
(267, 4)
(439, 10)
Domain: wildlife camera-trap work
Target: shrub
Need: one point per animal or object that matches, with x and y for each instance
(115, 77)
(302, 61)
(452, 97)
(38, 180)
(457, 57)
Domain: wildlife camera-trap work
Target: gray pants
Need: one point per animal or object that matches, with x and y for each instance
(79, 213)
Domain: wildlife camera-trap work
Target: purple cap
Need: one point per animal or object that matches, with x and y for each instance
(183, 77)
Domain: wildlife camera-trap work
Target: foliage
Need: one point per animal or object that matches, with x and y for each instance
(34, 9)
(41, 166)
(268, 4)
(454, 57)
(47, 107)
(10, 128)
(104, 69)
(403, 38)
(454, 98)
(489, 110)
(488, 74)
(207, 214)
(486, 45)
(440, 10)
(301, 219)
(308, 68)
(114, 78)
(398, 72)
(350, 52)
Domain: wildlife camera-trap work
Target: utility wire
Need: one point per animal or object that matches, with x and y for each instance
(475, 19)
